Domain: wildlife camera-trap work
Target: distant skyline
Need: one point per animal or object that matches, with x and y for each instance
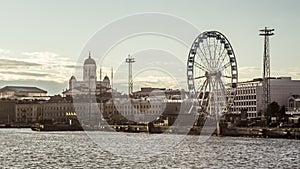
(40, 42)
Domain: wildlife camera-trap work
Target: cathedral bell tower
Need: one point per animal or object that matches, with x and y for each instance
(89, 72)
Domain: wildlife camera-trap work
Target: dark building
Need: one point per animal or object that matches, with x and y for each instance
(7, 111)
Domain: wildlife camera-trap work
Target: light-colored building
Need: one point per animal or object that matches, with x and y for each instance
(293, 107)
(294, 103)
(89, 84)
(250, 94)
(27, 113)
(23, 92)
(57, 111)
(138, 110)
(153, 92)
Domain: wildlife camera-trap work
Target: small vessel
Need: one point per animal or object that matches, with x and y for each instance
(55, 127)
(47, 125)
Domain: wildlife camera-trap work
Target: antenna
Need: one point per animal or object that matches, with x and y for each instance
(130, 60)
(266, 69)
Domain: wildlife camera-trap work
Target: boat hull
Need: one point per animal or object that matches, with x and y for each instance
(58, 127)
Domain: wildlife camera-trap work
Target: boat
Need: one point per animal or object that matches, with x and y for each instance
(56, 127)
(49, 126)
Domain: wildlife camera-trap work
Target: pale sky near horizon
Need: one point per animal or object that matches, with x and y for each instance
(40, 41)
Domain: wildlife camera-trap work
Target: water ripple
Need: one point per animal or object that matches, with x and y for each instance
(22, 148)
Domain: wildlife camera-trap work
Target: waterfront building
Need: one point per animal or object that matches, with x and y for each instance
(138, 110)
(144, 110)
(27, 113)
(149, 91)
(7, 111)
(57, 110)
(293, 109)
(250, 94)
(23, 92)
(11, 95)
(294, 105)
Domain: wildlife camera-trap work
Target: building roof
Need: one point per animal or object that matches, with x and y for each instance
(106, 78)
(73, 77)
(23, 89)
(89, 61)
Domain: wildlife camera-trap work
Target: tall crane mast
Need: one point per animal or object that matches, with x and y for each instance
(266, 32)
(130, 60)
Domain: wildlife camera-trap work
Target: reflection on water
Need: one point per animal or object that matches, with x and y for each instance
(22, 148)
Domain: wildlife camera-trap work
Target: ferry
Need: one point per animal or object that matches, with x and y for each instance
(55, 127)
(49, 126)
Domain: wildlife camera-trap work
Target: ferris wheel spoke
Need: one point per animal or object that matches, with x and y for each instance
(211, 98)
(222, 87)
(226, 76)
(224, 66)
(215, 51)
(221, 58)
(199, 77)
(198, 65)
(217, 103)
(210, 56)
(223, 93)
(200, 88)
(203, 57)
(206, 53)
(204, 86)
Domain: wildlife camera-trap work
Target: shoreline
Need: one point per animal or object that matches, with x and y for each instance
(255, 132)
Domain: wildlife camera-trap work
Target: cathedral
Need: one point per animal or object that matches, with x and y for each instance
(89, 83)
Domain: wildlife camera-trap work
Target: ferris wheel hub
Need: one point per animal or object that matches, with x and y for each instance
(217, 74)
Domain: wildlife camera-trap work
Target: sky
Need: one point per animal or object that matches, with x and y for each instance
(41, 41)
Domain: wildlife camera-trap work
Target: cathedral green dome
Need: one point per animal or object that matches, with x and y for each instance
(89, 61)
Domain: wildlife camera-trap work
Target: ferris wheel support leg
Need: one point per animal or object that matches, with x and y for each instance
(218, 132)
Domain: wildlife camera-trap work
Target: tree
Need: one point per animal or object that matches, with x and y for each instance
(281, 113)
(273, 109)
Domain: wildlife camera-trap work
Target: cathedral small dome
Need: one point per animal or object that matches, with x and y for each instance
(106, 82)
(106, 78)
(73, 78)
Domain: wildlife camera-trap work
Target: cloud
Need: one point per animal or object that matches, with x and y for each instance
(249, 73)
(14, 63)
(35, 66)
(25, 73)
(48, 58)
(41, 54)
(4, 51)
(249, 68)
(294, 73)
(149, 81)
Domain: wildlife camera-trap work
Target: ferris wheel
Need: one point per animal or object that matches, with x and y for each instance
(212, 73)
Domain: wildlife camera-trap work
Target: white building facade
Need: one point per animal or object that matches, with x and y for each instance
(89, 83)
(249, 95)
